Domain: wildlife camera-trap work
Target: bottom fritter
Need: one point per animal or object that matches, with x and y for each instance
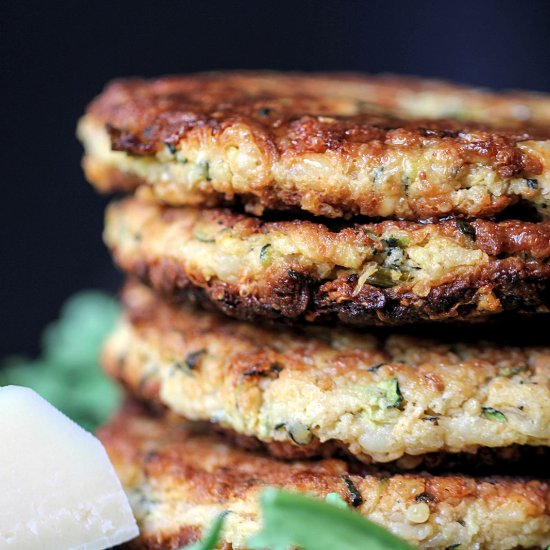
(179, 478)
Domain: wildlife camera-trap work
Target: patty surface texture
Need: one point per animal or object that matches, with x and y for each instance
(318, 391)
(387, 273)
(338, 145)
(179, 478)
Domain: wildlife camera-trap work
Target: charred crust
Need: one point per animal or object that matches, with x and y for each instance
(154, 114)
(519, 286)
(272, 371)
(425, 497)
(130, 142)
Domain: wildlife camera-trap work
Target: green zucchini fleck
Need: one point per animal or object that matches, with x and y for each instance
(202, 238)
(391, 394)
(199, 172)
(377, 173)
(396, 242)
(204, 166)
(171, 147)
(384, 277)
(375, 367)
(466, 229)
(192, 359)
(508, 372)
(299, 433)
(204, 233)
(356, 498)
(264, 112)
(265, 254)
(493, 414)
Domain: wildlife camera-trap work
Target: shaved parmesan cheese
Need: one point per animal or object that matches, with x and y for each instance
(58, 489)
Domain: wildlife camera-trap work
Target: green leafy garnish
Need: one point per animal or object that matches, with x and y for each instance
(294, 520)
(210, 540)
(67, 372)
(336, 500)
(493, 414)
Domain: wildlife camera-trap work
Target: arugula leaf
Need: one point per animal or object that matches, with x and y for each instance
(67, 372)
(291, 519)
(210, 540)
(336, 500)
(294, 520)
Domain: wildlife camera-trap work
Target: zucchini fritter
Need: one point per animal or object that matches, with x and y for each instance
(364, 274)
(336, 145)
(179, 478)
(318, 390)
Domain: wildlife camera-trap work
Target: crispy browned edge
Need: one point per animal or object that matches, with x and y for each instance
(520, 284)
(296, 298)
(142, 117)
(164, 455)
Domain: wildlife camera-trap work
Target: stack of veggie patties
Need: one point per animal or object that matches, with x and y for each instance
(312, 264)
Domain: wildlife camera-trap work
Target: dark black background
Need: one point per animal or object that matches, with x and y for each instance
(55, 56)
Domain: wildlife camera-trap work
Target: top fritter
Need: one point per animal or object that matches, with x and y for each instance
(338, 145)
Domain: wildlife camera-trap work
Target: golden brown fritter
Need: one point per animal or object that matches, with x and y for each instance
(315, 391)
(334, 145)
(363, 274)
(179, 478)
